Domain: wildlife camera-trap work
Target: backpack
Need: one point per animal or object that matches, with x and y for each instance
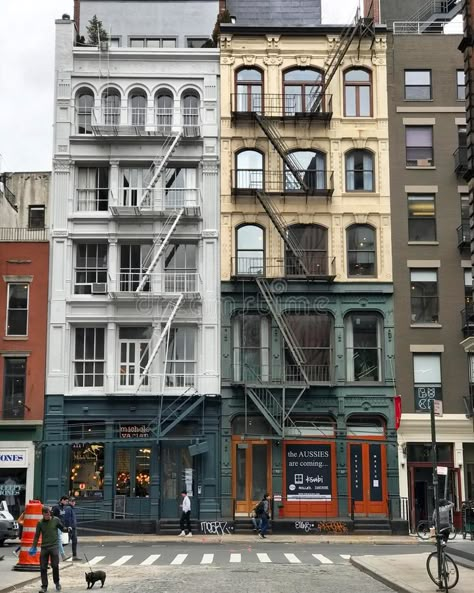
(260, 508)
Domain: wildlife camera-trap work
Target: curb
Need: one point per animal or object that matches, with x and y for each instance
(28, 581)
(396, 586)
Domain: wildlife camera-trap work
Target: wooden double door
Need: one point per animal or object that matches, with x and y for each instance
(251, 472)
(368, 478)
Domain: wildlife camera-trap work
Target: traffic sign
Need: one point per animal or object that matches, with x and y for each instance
(438, 407)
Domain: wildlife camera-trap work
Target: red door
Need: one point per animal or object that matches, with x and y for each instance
(367, 469)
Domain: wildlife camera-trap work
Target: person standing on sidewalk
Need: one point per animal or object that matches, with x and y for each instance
(59, 511)
(263, 513)
(185, 515)
(47, 528)
(70, 521)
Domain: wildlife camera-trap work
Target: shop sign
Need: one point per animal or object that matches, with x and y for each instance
(425, 395)
(131, 431)
(13, 458)
(308, 472)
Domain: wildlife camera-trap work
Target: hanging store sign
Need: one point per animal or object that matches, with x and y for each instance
(424, 397)
(308, 472)
(134, 431)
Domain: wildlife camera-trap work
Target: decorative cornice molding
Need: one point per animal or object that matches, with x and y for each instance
(62, 165)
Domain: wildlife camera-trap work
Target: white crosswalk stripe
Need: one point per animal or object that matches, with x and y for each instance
(322, 559)
(179, 559)
(121, 560)
(345, 556)
(207, 558)
(150, 560)
(96, 560)
(263, 557)
(235, 558)
(293, 559)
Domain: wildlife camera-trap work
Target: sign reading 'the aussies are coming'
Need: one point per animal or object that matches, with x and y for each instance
(308, 472)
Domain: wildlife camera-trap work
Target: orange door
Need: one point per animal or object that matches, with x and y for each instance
(251, 473)
(368, 478)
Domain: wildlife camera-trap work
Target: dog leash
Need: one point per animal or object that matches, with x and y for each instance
(87, 559)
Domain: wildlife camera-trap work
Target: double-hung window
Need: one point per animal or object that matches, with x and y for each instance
(421, 218)
(180, 267)
(92, 189)
(418, 85)
(181, 360)
(427, 380)
(17, 309)
(89, 357)
(419, 146)
(363, 351)
(91, 267)
(14, 388)
(36, 217)
(460, 85)
(424, 296)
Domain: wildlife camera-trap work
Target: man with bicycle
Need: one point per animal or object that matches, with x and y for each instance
(445, 508)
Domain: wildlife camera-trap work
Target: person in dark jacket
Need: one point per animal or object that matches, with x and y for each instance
(70, 521)
(263, 513)
(59, 511)
(47, 528)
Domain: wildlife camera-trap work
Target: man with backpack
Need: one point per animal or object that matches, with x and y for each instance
(262, 510)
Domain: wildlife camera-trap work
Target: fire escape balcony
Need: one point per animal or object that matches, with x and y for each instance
(159, 202)
(132, 284)
(464, 236)
(113, 122)
(467, 321)
(297, 107)
(309, 266)
(460, 161)
(319, 183)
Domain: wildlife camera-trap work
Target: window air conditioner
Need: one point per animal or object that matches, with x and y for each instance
(99, 288)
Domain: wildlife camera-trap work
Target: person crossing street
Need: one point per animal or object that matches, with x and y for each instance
(70, 521)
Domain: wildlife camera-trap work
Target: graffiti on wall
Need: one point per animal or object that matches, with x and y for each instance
(216, 527)
(332, 527)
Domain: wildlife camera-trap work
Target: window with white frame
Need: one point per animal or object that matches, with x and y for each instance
(91, 268)
(251, 347)
(152, 42)
(134, 345)
(92, 189)
(89, 356)
(460, 85)
(468, 287)
(134, 259)
(132, 185)
(363, 346)
(181, 357)
(424, 296)
(17, 309)
(418, 85)
(427, 380)
(180, 267)
(179, 188)
(36, 217)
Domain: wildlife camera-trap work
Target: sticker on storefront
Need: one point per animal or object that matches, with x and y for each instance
(308, 472)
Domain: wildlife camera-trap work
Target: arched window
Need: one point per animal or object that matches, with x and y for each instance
(312, 242)
(302, 89)
(248, 96)
(313, 334)
(111, 107)
(363, 332)
(361, 250)
(359, 170)
(84, 107)
(357, 93)
(249, 170)
(164, 111)
(137, 108)
(311, 166)
(191, 105)
(250, 250)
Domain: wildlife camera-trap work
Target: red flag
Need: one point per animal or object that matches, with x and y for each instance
(397, 401)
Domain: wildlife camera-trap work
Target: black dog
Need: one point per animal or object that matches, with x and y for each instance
(93, 576)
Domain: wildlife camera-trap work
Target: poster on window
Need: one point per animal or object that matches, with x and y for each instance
(308, 472)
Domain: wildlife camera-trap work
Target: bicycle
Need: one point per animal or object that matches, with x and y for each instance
(424, 526)
(449, 571)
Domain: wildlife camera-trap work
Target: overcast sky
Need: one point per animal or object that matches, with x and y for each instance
(27, 75)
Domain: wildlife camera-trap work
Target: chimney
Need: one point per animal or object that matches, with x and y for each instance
(77, 15)
(372, 9)
(222, 6)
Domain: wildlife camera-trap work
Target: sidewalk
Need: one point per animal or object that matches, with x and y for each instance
(11, 579)
(407, 573)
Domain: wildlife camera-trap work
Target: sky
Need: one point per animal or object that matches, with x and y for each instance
(27, 77)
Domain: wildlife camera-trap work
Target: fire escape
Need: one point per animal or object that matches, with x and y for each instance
(431, 17)
(277, 402)
(7, 193)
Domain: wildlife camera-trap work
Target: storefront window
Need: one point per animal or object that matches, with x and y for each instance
(422, 452)
(12, 489)
(132, 472)
(87, 470)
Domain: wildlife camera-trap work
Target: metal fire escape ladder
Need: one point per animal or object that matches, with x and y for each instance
(177, 410)
(272, 133)
(8, 194)
(285, 329)
(154, 172)
(163, 243)
(279, 223)
(164, 333)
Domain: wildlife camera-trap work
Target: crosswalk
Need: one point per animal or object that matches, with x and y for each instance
(219, 558)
